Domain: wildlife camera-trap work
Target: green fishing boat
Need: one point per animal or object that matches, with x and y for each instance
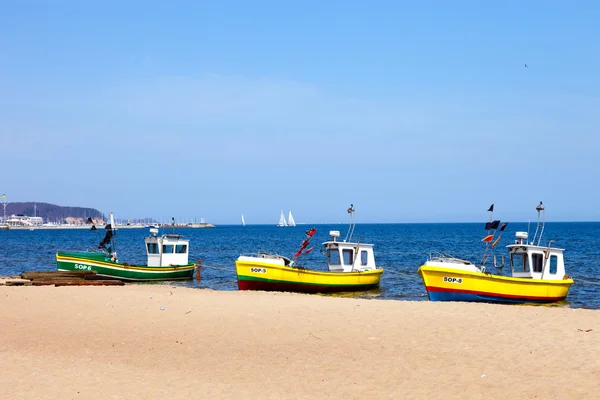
(167, 258)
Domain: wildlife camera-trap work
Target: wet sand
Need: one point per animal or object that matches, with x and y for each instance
(164, 342)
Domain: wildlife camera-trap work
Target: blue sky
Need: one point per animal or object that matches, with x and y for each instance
(413, 111)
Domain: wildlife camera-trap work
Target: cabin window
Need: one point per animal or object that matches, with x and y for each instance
(348, 256)
(363, 257)
(181, 248)
(519, 262)
(152, 248)
(167, 248)
(538, 262)
(333, 255)
(553, 264)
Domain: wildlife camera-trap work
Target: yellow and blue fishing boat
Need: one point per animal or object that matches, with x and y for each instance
(537, 272)
(351, 267)
(167, 258)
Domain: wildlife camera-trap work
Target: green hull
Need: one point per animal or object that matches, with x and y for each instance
(102, 264)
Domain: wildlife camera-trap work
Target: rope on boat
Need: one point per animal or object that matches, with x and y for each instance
(219, 268)
(387, 271)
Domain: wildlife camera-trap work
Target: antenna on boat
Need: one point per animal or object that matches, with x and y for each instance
(541, 223)
(351, 227)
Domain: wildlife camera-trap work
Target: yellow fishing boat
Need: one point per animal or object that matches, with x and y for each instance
(537, 272)
(351, 267)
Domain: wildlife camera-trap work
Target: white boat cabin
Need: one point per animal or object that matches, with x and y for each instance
(348, 256)
(535, 262)
(166, 250)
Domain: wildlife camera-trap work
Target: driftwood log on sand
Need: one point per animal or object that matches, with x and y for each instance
(62, 278)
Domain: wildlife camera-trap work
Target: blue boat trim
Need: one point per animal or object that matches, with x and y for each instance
(443, 294)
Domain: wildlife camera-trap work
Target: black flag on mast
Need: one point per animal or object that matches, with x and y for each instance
(491, 208)
(492, 225)
(499, 236)
(107, 237)
(90, 221)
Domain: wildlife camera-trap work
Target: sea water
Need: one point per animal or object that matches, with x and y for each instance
(399, 248)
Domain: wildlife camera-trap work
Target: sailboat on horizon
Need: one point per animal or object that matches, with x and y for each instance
(282, 221)
(243, 221)
(290, 220)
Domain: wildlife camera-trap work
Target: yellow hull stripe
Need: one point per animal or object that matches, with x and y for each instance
(453, 280)
(262, 271)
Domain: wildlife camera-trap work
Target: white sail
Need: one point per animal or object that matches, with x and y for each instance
(282, 220)
(290, 220)
(243, 221)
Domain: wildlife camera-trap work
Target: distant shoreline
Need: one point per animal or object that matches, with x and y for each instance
(50, 227)
(207, 225)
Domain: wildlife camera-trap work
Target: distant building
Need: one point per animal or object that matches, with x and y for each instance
(24, 220)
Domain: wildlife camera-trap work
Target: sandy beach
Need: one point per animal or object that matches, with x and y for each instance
(165, 342)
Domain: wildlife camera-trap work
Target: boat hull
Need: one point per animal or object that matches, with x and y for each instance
(101, 263)
(449, 284)
(268, 277)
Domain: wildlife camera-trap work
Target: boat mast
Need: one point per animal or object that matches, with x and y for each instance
(540, 223)
(351, 227)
